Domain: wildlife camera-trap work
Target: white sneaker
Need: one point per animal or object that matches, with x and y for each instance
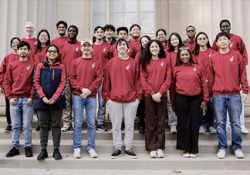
(202, 129)
(191, 155)
(152, 154)
(173, 129)
(243, 129)
(160, 153)
(221, 154)
(77, 153)
(65, 128)
(186, 155)
(239, 154)
(92, 153)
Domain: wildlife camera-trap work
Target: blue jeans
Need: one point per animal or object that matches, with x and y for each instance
(101, 108)
(78, 106)
(21, 108)
(231, 104)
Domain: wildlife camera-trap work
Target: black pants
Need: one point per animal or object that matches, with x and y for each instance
(7, 110)
(141, 112)
(155, 123)
(188, 113)
(50, 118)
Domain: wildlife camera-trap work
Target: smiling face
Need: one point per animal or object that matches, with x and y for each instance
(185, 56)
(52, 53)
(144, 41)
(202, 40)
(135, 32)
(99, 34)
(72, 33)
(174, 41)
(109, 33)
(154, 49)
(23, 51)
(61, 29)
(161, 36)
(225, 27)
(123, 34)
(191, 32)
(223, 42)
(14, 44)
(86, 48)
(122, 47)
(43, 37)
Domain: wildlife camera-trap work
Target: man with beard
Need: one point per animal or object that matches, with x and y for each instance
(68, 53)
(62, 38)
(135, 33)
(190, 42)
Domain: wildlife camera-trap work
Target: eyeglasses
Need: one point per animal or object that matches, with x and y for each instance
(190, 30)
(52, 51)
(43, 35)
(183, 48)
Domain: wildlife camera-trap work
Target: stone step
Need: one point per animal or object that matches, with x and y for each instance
(106, 146)
(108, 135)
(108, 124)
(174, 162)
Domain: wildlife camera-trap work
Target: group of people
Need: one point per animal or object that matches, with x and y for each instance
(188, 81)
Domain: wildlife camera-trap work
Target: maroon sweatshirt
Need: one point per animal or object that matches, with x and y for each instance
(101, 53)
(227, 74)
(190, 80)
(237, 44)
(85, 73)
(4, 66)
(40, 56)
(203, 59)
(131, 52)
(121, 81)
(157, 77)
(19, 79)
(60, 41)
(172, 56)
(69, 53)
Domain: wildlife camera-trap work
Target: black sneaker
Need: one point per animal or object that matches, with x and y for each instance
(101, 128)
(141, 130)
(117, 153)
(42, 155)
(8, 129)
(28, 152)
(12, 152)
(57, 155)
(37, 128)
(131, 153)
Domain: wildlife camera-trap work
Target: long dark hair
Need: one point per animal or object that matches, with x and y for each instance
(14, 38)
(143, 49)
(147, 55)
(178, 57)
(197, 46)
(170, 46)
(38, 44)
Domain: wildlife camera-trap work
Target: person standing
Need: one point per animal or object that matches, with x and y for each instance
(12, 57)
(155, 76)
(202, 53)
(49, 81)
(227, 77)
(236, 43)
(101, 54)
(29, 38)
(43, 40)
(61, 27)
(189, 100)
(68, 54)
(190, 41)
(20, 92)
(161, 35)
(85, 79)
(122, 96)
(109, 31)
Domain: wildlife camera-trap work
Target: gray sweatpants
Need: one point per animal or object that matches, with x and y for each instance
(117, 111)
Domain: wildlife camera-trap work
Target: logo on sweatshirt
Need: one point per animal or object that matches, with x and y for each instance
(127, 67)
(104, 49)
(93, 65)
(195, 69)
(162, 63)
(231, 45)
(28, 67)
(209, 56)
(232, 59)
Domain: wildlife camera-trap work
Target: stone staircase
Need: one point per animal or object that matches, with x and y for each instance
(173, 163)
